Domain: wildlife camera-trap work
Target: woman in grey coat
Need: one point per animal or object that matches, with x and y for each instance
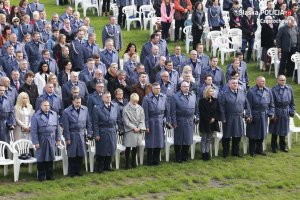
(134, 125)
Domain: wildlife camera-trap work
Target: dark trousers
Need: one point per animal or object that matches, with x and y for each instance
(75, 165)
(103, 163)
(235, 149)
(153, 156)
(133, 151)
(121, 17)
(197, 34)
(165, 30)
(45, 170)
(178, 24)
(255, 146)
(286, 64)
(250, 42)
(216, 28)
(274, 144)
(105, 6)
(181, 152)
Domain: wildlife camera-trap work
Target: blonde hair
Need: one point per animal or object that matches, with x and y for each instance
(19, 100)
(206, 90)
(134, 97)
(50, 77)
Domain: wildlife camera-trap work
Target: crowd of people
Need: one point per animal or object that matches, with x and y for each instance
(58, 85)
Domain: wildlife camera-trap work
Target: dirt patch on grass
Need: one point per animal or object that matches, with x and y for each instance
(19, 195)
(149, 196)
(217, 184)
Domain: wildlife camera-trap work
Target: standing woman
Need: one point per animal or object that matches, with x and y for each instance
(23, 112)
(215, 17)
(208, 109)
(41, 77)
(134, 125)
(268, 35)
(167, 15)
(65, 75)
(198, 20)
(182, 7)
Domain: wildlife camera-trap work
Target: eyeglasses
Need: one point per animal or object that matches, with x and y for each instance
(16, 21)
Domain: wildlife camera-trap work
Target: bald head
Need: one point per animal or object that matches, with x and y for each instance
(261, 81)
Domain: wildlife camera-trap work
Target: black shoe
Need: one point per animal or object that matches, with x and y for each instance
(284, 150)
(204, 156)
(252, 155)
(133, 164)
(238, 155)
(155, 163)
(100, 171)
(184, 160)
(109, 169)
(262, 153)
(78, 174)
(178, 161)
(41, 179)
(50, 178)
(274, 150)
(71, 175)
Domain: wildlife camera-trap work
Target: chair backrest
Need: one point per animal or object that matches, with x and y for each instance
(146, 8)
(22, 146)
(196, 131)
(235, 32)
(169, 133)
(187, 30)
(90, 2)
(119, 139)
(3, 146)
(222, 42)
(225, 14)
(129, 11)
(291, 123)
(296, 58)
(91, 143)
(273, 53)
(214, 34)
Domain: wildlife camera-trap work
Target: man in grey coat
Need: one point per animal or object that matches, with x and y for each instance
(155, 108)
(112, 31)
(234, 107)
(45, 136)
(261, 103)
(184, 116)
(76, 120)
(106, 120)
(283, 96)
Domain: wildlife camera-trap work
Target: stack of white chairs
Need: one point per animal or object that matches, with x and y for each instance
(296, 59)
(273, 53)
(188, 37)
(169, 141)
(90, 4)
(131, 16)
(293, 129)
(144, 15)
(9, 161)
(223, 44)
(235, 35)
(196, 139)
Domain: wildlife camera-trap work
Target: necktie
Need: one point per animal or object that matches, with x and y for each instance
(113, 28)
(108, 107)
(187, 97)
(11, 58)
(17, 85)
(36, 6)
(155, 59)
(46, 78)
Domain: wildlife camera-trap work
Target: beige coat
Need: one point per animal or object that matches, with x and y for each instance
(133, 117)
(20, 123)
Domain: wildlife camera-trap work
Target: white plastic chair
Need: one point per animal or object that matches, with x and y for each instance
(115, 9)
(154, 20)
(257, 49)
(169, 141)
(144, 14)
(273, 53)
(90, 4)
(172, 31)
(188, 37)
(92, 152)
(296, 59)
(212, 35)
(12, 137)
(77, 2)
(217, 138)
(141, 149)
(6, 161)
(120, 148)
(196, 139)
(293, 129)
(223, 44)
(235, 34)
(23, 146)
(130, 13)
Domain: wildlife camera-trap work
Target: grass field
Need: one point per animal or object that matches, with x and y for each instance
(275, 176)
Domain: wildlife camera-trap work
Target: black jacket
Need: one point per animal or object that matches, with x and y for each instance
(208, 110)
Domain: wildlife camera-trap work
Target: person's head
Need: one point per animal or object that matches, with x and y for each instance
(283, 6)
(2, 90)
(140, 68)
(119, 94)
(100, 87)
(187, 69)
(215, 2)
(193, 55)
(49, 88)
(67, 23)
(177, 50)
(75, 90)
(249, 12)
(162, 60)
(261, 82)
(86, 21)
(36, 15)
(65, 50)
(239, 55)
(74, 77)
(131, 47)
(155, 50)
(10, 50)
(235, 75)
(61, 39)
(164, 76)
(80, 34)
(290, 21)
(96, 58)
(184, 87)
(154, 38)
(143, 77)
(15, 75)
(36, 36)
(23, 99)
(235, 4)
(236, 63)
(112, 20)
(134, 57)
(90, 63)
(98, 74)
(27, 38)
(214, 61)
(281, 80)
(155, 88)
(198, 6)
(109, 44)
(15, 21)
(92, 38)
(187, 77)
(19, 56)
(76, 100)
(270, 5)
(46, 54)
(208, 92)
(15, 9)
(44, 68)
(268, 19)
(69, 10)
(199, 48)
(134, 98)
(6, 31)
(13, 38)
(29, 76)
(208, 79)
(233, 84)
(67, 64)
(52, 79)
(113, 68)
(76, 15)
(168, 65)
(106, 97)
(43, 15)
(45, 106)
(25, 19)
(55, 17)
(23, 65)
(295, 7)
(5, 81)
(23, 3)
(48, 27)
(121, 75)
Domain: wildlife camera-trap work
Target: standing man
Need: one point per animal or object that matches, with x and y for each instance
(45, 136)
(96, 97)
(77, 52)
(106, 118)
(261, 103)
(286, 41)
(216, 72)
(233, 106)
(109, 55)
(141, 88)
(155, 107)
(34, 50)
(182, 7)
(75, 120)
(184, 115)
(113, 31)
(284, 109)
(178, 59)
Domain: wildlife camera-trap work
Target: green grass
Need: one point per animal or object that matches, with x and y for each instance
(273, 177)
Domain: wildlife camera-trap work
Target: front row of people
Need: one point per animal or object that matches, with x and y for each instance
(234, 108)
